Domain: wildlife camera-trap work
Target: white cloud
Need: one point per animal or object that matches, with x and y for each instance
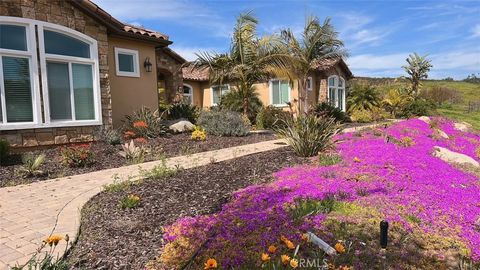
(368, 36)
(476, 31)
(189, 53)
(376, 62)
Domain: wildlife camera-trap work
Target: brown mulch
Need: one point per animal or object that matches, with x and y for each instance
(112, 238)
(106, 156)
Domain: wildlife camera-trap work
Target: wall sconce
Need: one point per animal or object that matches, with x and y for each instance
(147, 65)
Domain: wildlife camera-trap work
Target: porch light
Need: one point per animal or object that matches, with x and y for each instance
(148, 65)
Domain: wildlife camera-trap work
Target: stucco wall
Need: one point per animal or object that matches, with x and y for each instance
(198, 92)
(62, 13)
(131, 93)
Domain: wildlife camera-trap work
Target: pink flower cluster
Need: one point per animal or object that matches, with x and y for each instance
(399, 181)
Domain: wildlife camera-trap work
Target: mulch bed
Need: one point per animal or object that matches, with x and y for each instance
(112, 238)
(106, 156)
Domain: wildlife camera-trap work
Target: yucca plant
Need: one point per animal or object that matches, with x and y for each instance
(31, 165)
(308, 134)
(133, 153)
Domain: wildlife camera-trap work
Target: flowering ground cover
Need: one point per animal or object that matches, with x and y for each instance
(433, 209)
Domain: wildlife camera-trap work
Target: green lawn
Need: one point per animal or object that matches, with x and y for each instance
(469, 91)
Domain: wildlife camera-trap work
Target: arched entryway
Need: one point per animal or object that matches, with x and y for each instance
(166, 93)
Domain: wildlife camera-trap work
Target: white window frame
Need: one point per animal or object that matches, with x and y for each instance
(336, 89)
(31, 55)
(270, 86)
(136, 63)
(34, 78)
(309, 81)
(189, 94)
(221, 94)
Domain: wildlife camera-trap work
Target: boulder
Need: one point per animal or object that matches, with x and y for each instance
(182, 126)
(425, 119)
(453, 157)
(462, 126)
(441, 133)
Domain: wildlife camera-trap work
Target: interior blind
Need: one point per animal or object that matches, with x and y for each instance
(18, 92)
(59, 91)
(83, 91)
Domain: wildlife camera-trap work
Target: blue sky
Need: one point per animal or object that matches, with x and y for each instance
(379, 35)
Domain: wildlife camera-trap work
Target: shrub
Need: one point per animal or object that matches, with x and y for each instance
(223, 123)
(308, 135)
(270, 117)
(132, 153)
(418, 107)
(326, 110)
(183, 110)
(441, 94)
(4, 151)
(144, 123)
(199, 134)
(361, 116)
(363, 96)
(112, 136)
(131, 201)
(77, 156)
(234, 101)
(31, 165)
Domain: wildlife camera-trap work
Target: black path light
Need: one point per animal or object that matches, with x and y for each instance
(383, 234)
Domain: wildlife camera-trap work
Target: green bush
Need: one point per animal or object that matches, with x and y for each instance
(183, 110)
(363, 96)
(308, 135)
(234, 101)
(4, 151)
(31, 165)
(144, 123)
(366, 116)
(326, 110)
(270, 117)
(112, 136)
(130, 201)
(77, 156)
(418, 107)
(223, 123)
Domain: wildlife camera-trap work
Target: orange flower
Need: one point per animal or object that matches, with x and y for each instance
(357, 160)
(285, 259)
(141, 140)
(305, 237)
(210, 264)
(53, 239)
(129, 134)
(293, 263)
(343, 267)
(140, 124)
(265, 257)
(283, 238)
(289, 244)
(339, 248)
(272, 249)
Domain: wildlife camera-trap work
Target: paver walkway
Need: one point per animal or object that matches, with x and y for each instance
(30, 213)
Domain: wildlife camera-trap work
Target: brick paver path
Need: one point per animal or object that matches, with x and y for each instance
(30, 213)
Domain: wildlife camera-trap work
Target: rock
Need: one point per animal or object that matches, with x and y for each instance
(462, 126)
(441, 133)
(182, 126)
(62, 139)
(425, 119)
(453, 157)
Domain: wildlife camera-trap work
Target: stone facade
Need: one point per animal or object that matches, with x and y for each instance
(171, 69)
(323, 93)
(62, 13)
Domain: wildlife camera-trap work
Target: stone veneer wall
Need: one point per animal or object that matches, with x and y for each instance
(63, 13)
(166, 62)
(323, 93)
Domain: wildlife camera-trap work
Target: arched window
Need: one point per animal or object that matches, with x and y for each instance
(336, 92)
(69, 73)
(187, 93)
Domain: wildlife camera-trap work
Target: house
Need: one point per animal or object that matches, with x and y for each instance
(328, 83)
(68, 69)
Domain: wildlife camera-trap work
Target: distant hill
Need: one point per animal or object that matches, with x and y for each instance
(470, 93)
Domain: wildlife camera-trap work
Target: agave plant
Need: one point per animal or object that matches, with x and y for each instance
(133, 153)
(308, 135)
(31, 165)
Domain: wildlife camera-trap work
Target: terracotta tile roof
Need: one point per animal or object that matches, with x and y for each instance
(194, 74)
(326, 64)
(117, 26)
(142, 31)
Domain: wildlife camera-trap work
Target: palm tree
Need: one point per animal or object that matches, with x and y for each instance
(318, 42)
(418, 68)
(250, 59)
(396, 99)
(363, 97)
